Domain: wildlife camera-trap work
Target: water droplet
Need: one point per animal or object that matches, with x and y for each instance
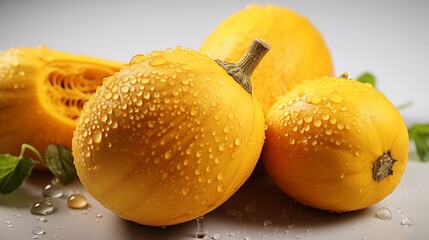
(220, 187)
(247, 238)
(38, 231)
(137, 58)
(124, 88)
(221, 147)
(108, 95)
(43, 207)
(237, 141)
(97, 136)
(267, 222)
(217, 236)
(219, 176)
(98, 215)
(200, 233)
(407, 221)
(77, 201)
(167, 155)
(53, 190)
(233, 234)
(317, 123)
(157, 61)
(343, 175)
(383, 213)
(328, 131)
(185, 191)
(194, 110)
(308, 119)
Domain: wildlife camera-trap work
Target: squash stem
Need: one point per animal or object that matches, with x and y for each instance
(383, 167)
(243, 69)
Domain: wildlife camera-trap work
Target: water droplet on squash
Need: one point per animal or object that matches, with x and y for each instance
(137, 58)
(220, 187)
(328, 131)
(185, 191)
(383, 213)
(77, 201)
(108, 95)
(97, 137)
(237, 141)
(317, 123)
(157, 61)
(124, 89)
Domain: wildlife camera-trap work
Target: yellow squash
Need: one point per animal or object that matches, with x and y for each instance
(335, 144)
(42, 92)
(171, 136)
(298, 50)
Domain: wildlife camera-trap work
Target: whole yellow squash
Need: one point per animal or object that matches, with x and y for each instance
(171, 136)
(335, 144)
(298, 50)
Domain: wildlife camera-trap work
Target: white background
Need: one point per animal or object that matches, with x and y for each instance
(388, 38)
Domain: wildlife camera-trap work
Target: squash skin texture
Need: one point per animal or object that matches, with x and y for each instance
(323, 138)
(179, 137)
(41, 93)
(298, 50)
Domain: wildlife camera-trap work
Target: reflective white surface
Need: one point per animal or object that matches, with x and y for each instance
(388, 38)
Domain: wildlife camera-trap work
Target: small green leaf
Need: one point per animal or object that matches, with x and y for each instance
(367, 78)
(419, 133)
(59, 160)
(13, 172)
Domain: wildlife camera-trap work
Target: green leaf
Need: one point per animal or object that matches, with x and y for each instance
(419, 133)
(367, 78)
(13, 172)
(59, 160)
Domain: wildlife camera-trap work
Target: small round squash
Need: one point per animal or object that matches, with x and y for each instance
(298, 49)
(335, 144)
(171, 136)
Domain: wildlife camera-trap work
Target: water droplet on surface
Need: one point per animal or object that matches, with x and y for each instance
(217, 236)
(53, 190)
(77, 201)
(267, 222)
(200, 233)
(43, 207)
(38, 231)
(407, 221)
(383, 213)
